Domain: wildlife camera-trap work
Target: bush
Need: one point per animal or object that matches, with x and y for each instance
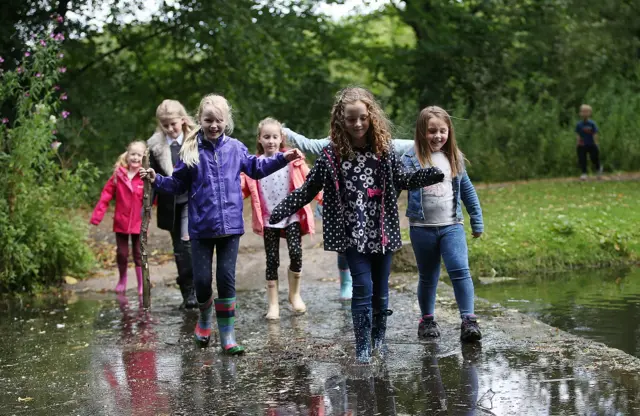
(514, 139)
(40, 238)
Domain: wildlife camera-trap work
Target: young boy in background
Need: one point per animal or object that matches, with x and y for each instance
(587, 141)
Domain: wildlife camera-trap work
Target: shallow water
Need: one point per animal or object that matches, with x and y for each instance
(603, 305)
(103, 355)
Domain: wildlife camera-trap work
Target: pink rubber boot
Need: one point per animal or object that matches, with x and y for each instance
(121, 287)
(139, 276)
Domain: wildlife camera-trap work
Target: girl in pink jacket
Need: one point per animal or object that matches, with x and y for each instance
(126, 186)
(265, 195)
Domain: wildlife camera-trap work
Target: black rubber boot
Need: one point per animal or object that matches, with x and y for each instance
(379, 330)
(185, 277)
(362, 332)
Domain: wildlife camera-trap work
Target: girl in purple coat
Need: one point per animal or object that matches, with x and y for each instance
(209, 170)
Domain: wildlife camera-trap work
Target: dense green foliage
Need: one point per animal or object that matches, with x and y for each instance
(40, 240)
(544, 226)
(511, 73)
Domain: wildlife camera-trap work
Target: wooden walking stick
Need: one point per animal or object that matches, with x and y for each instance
(146, 218)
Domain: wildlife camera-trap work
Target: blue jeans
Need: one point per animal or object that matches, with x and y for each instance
(202, 258)
(370, 274)
(450, 243)
(343, 264)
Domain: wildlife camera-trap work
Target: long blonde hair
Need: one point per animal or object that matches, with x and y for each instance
(379, 133)
(189, 149)
(265, 122)
(170, 109)
(122, 159)
(450, 148)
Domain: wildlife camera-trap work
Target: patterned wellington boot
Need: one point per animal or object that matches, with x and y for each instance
(226, 317)
(346, 285)
(362, 332)
(379, 330)
(139, 278)
(203, 327)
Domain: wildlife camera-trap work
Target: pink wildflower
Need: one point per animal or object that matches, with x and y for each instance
(64, 97)
(65, 114)
(62, 69)
(56, 87)
(5, 121)
(26, 94)
(42, 42)
(1, 59)
(19, 70)
(27, 54)
(60, 19)
(59, 37)
(55, 144)
(61, 56)
(38, 75)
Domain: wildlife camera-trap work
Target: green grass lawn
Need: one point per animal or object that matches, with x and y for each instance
(547, 226)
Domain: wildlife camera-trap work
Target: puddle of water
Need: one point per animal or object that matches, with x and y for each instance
(110, 358)
(600, 305)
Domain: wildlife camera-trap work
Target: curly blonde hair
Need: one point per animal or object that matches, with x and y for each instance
(379, 132)
(189, 149)
(283, 136)
(450, 148)
(170, 109)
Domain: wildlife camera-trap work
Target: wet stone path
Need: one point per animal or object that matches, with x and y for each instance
(102, 355)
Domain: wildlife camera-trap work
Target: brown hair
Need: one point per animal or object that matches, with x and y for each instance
(265, 122)
(170, 109)
(379, 133)
(450, 148)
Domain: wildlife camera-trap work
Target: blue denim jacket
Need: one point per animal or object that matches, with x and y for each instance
(462, 190)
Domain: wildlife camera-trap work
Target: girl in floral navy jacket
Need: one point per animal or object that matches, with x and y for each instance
(209, 170)
(361, 177)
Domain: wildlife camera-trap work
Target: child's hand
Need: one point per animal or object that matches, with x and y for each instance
(150, 172)
(476, 234)
(293, 154)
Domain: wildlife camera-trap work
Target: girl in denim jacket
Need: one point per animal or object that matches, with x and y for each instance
(209, 170)
(436, 221)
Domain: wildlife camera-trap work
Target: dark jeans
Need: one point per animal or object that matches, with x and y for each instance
(122, 251)
(370, 274)
(181, 251)
(594, 154)
(226, 256)
(431, 245)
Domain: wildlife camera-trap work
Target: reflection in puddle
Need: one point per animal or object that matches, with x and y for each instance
(138, 363)
(603, 305)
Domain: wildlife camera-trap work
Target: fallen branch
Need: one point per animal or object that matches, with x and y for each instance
(146, 218)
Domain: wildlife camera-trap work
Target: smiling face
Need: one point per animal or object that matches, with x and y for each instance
(134, 156)
(172, 127)
(213, 122)
(437, 133)
(356, 120)
(270, 139)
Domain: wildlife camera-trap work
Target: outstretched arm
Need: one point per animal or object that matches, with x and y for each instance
(301, 196)
(106, 196)
(310, 146)
(176, 184)
(404, 179)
